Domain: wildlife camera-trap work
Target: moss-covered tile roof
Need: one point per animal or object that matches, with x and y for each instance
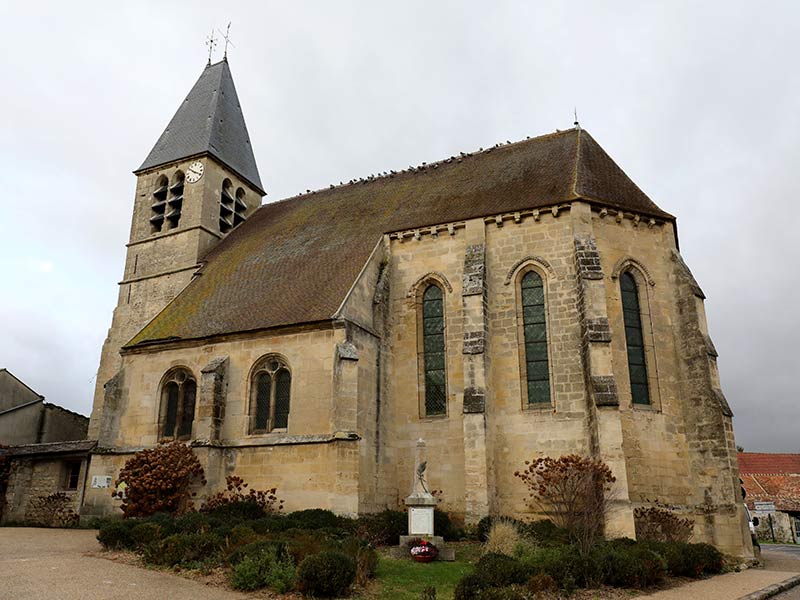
(294, 261)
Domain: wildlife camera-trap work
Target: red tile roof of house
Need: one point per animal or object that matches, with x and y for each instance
(771, 478)
(761, 462)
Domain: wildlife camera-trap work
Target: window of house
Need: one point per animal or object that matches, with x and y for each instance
(270, 395)
(433, 351)
(634, 340)
(178, 396)
(534, 328)
(72, 471)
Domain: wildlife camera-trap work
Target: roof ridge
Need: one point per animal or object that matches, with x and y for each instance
(424, 166)
(577, 162)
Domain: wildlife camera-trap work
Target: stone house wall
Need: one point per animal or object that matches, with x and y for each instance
(37, 477)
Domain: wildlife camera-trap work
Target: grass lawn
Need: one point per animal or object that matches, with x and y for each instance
(403, 579)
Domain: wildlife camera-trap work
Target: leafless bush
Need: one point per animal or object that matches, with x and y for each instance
(574, 491)
(659, 524)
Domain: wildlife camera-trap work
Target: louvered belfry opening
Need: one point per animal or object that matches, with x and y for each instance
(175, 200)
(178, 397)
(271, 396)
(159, 206)
(232, 207)
(634, 340)
(534, 323)
(434, 351)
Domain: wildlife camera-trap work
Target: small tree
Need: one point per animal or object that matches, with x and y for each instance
(158, 480)
(574, 491)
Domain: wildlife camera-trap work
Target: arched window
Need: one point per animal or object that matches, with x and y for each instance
(634, 340)
(270, 395)
(433, 351)
(534, 329)
(175, 202)
(178, 396)
(159, 206)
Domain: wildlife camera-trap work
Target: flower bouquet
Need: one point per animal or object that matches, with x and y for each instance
(423, 551)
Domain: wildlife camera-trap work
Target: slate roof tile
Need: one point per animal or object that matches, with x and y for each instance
(209, 120)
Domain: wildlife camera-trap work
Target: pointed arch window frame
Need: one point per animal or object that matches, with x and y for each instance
(176, 419)
(523, 271)
(264, 415)
(425, 367)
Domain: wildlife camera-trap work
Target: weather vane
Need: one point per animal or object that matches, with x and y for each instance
(576, 123)
(227, 37)
(211, 43)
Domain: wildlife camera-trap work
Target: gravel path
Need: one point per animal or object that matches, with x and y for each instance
(52, 563)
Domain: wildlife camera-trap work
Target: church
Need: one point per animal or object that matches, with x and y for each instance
(521, 300)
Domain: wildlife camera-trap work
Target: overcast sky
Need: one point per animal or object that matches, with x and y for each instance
(698, 102)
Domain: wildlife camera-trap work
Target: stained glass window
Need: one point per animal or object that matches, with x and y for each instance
(537, 371)
(434, 351)
(637, 366)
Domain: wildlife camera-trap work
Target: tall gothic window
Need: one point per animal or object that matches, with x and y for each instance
(634, 340)
(270, 395)
(433, 351)
(534, 326)
(178, 395)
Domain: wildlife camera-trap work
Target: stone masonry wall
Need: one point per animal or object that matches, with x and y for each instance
(33, 478)
(159, 265)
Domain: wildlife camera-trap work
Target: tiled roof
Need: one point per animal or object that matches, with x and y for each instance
(294, 261)
(765, 463)
(209, 120)
(52, 448)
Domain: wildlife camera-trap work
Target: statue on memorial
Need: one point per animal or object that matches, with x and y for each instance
(421, 475)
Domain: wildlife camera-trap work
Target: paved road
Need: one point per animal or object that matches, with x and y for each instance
(42, 564)
(780, 556)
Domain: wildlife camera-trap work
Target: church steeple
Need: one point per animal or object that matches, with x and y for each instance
(209, 121)
(197, 184)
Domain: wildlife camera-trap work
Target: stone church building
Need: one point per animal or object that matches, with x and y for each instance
(522, 300)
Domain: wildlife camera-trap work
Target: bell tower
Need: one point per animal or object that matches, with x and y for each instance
(196, 185)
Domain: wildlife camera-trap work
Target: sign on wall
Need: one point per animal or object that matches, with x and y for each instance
(101, 481)
(764, 507)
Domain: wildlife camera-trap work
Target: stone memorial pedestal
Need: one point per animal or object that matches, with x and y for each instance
(421, 505)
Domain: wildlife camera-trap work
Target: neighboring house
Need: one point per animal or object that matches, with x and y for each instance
(772, 483)
(48, 452)
(25, 418)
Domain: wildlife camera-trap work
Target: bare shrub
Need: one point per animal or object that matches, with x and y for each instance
(234, 493)
(158, 480)
(503, 538)
(54, 510)
(574, 491)
(659, 524)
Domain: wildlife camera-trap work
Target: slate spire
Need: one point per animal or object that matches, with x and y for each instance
(210, 120)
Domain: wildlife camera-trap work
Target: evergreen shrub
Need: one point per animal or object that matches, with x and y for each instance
(328, 574)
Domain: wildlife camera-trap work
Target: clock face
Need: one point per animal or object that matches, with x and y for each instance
(195, 172)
